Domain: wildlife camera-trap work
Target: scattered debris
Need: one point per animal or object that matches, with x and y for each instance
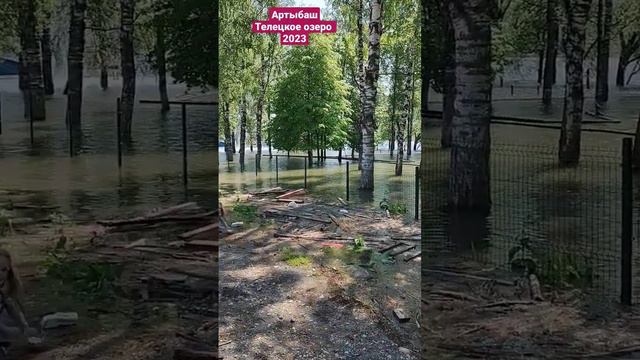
(402, 317)
(59, 319)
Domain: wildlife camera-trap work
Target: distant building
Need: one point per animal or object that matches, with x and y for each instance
(8, 67)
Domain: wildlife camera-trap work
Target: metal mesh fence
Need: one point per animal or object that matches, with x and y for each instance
(565, 221)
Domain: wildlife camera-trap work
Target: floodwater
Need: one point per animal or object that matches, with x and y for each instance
(326, 181)
(571, 217)
(89, 184)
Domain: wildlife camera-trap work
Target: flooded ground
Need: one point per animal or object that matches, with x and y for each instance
(327, 181)
(50, 202)
(570, 218)
(90, 184)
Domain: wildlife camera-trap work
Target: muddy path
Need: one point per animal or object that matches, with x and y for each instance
(295, 286)
(141, 289)
(471, 312)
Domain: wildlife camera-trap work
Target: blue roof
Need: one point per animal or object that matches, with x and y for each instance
(8, 67)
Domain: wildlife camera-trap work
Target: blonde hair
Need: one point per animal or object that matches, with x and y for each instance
(13, 279)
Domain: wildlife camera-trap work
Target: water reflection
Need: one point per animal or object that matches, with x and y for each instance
(90, 185)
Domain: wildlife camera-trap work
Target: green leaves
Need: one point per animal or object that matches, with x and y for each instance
(311, 99)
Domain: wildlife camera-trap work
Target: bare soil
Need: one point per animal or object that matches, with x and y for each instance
(471, 312)
(337, 303)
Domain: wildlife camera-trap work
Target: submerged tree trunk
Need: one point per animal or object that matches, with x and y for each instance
(470, 128)
(161, 53)
(47, 71)
(569, 145)
(371, 91)
(228, 140)
(75, 62)
(128, 67)
(605, 9)
(406, 113)
(551, 51)
(243, 130)
(33, 60)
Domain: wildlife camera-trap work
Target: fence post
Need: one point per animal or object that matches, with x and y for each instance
(588, 78)
(305, 173)
(627, 223)
(31, 120)
(276, 169)
(0, 113)
(119, 131)
(347, 181)
(184, 144)
(417, 194)
(512, 90)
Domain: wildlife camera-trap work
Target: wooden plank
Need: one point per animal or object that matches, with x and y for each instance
(413, 255)
(333, 218)
(171, 209)
(291, 193)
(391, 247)
(401, 315)
(342, 201)
(199, 230)
(396, 253)
(297, 201)
(205, 245)
(151, 220)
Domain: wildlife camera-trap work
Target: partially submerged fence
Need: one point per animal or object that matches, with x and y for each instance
(575, 225)
(330, 179)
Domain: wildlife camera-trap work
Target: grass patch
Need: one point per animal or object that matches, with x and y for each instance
(93, 281)
(244, 212)
(359, 254)
(397, 208)
(294, 258)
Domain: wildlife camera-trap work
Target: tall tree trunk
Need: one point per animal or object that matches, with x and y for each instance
(23, 82)
(636, 146)
(470, 128)
(371, 91)
(127, 59)
(410, 119)
(449, 96)
(233, 141)
(628, 47)
(228, 139)
(269, 128)
(406, 113)
(104, 76)
(394, 98)
(243, 130)
(47, 71)
(360, 79)
(569, 147)
(541, 56)
(424, 123)
(161, 53)
(33, 60)
(552, 29)
(605, 9)
(75, 62)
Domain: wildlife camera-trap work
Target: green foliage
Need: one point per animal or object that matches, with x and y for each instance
(92, 280)
(294, 258)
(397, 208)
(561, 268)
(358, 244)
(311, 98)
(244, 212)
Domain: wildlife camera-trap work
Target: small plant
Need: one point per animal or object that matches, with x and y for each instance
(96, 281)
(293, 258)
(397, 208)
(245, 212)
(358, 244)
(568, 269)
(521, 257)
